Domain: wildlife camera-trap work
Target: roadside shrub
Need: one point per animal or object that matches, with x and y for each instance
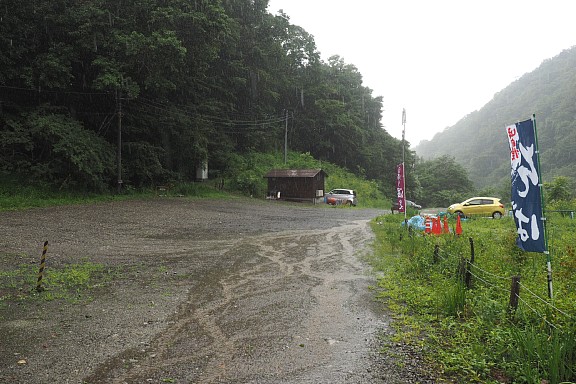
(51, 146)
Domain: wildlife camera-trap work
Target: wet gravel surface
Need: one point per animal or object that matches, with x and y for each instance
(200, 291)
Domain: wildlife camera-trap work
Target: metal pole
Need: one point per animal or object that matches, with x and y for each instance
(119, 149)
(548, 257)
(286, 139)
(403, 165)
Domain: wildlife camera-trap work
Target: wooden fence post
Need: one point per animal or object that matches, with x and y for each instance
(468, 278)
(462, 270)
(514, 293)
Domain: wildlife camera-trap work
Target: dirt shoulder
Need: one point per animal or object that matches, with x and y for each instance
(198, 291)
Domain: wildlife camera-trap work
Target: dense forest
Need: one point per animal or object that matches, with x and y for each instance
(478, 141)
(93, 92)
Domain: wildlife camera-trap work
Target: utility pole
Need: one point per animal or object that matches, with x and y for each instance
(286, 138)
(403, 165)
(119, 149)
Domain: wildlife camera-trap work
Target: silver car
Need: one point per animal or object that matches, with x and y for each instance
(341, 196)
(409, 204)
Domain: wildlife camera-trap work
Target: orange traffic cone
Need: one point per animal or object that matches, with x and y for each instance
(458, 226)
(446, 229)
(437, 229)
(428, 227)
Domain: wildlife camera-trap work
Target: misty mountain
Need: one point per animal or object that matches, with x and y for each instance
(479, 142)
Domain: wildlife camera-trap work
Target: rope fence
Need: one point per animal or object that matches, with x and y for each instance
(470, 272)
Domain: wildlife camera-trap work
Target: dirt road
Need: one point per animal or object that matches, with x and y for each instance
(204, 291)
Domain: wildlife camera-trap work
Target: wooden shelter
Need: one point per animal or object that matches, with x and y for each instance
(296, 184)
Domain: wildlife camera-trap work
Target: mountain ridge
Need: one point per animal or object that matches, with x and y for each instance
(478, 140)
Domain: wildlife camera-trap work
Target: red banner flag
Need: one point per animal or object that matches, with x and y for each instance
(400, 187)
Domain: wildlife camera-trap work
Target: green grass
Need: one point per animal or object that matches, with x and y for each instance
(469, 333)
(25, 197)
(71, 282)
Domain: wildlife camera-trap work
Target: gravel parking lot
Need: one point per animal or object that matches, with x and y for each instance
(203, 291)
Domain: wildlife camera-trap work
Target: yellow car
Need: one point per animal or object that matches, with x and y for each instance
(478, 206)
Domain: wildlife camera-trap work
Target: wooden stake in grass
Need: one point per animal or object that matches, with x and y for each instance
(514, 293)
(39, 287)
(468, 277)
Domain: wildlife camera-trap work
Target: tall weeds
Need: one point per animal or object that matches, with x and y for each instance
(470, 332)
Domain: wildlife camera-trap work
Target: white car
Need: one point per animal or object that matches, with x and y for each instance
(341, 196)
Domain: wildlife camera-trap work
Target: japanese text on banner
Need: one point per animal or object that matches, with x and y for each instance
(401, 198)
(526, 194)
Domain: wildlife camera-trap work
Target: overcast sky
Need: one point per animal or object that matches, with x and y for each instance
(439, 59)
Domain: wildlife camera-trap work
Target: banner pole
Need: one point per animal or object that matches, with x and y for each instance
(540, 185)
(403, 164)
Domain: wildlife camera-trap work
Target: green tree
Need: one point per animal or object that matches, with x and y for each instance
(558, 190)
(48, 146)
(443, 181)
(91, 56)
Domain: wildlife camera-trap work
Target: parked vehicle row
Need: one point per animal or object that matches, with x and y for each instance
(475, 206)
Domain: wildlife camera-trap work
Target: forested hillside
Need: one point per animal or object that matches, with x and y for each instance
(168, 85)
(479, 141)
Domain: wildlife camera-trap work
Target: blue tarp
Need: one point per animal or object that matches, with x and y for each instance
(416, 222)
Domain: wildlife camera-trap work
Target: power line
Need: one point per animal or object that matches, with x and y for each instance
(244, 123)
(175, 111)
(39, 90)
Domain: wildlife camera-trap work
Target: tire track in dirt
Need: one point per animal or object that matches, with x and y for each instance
(280, 311)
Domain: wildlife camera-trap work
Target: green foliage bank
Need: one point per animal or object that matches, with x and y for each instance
(245, 178)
